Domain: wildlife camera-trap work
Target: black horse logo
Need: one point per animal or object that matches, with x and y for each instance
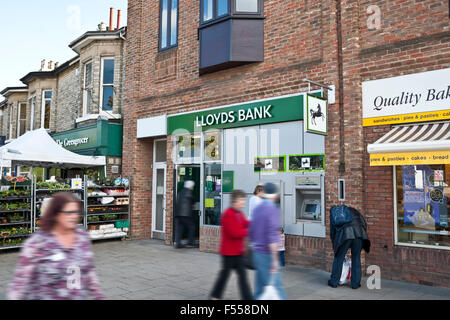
(316, 114)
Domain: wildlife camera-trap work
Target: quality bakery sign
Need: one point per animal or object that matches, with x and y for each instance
(411, 98)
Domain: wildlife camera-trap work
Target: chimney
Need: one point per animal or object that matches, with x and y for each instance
(111, 17)
(43, 62)
(50, 65)
(119, 17)
(56, 65)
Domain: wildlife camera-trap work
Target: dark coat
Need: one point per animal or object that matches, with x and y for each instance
(185, 202)
(350, 231)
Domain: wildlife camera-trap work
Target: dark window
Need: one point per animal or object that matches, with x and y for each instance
(168, 33)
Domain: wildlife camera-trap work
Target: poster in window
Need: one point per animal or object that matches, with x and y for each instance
(306, 162)
(270, 164)
(423, 200)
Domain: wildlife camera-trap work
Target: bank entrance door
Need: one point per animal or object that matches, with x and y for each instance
(184, 173)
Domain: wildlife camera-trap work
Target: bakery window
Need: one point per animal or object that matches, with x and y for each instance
(422, 196)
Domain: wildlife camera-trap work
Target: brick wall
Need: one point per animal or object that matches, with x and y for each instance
(323, 40)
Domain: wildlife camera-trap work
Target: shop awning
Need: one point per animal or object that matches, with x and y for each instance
(412, 145)
(36, 148)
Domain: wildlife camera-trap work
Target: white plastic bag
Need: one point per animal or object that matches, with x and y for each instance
(346, 271)
(270, 292)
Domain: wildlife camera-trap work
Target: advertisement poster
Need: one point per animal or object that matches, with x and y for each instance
(307, 162)
(270, 164)
(422, 199)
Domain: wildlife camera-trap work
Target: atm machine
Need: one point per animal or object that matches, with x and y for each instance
(309, 204)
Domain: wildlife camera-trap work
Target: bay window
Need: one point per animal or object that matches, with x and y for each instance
(88, 88)
(21, 118)
(46, 108)
(107, 91)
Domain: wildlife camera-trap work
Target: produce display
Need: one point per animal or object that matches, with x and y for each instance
(52, 186)
(13, 206)
(15, 193)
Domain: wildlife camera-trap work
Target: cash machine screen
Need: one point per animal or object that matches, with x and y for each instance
(311, 208)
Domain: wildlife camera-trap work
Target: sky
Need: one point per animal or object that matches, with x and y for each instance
(33, 30)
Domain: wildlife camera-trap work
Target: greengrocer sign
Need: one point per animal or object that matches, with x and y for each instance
(74, 142)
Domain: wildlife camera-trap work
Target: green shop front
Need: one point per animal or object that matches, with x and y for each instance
(102, 138)
(238, 147)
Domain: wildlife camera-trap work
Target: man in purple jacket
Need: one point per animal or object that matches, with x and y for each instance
(265, 235)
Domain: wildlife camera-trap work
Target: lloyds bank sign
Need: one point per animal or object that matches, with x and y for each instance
(280, 109)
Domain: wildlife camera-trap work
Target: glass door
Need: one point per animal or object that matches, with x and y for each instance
(185, 173)
(159, 199)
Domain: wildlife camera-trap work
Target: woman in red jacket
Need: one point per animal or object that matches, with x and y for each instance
(234, 229)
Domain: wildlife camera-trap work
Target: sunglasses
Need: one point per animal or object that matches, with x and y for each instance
(73, 212)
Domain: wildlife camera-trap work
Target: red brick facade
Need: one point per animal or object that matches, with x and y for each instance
(326, 41)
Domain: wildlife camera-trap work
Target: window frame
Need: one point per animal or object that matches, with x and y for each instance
(32, 101)
(169, 26)
(11, 120)
(43, 108)
(231, 12)
(248, 13)
(102, 85)
(19, 114)
(215, 16)
(87, 88)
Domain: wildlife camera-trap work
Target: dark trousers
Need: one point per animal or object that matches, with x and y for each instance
(229, 263)
(282, 260)
(356, 247)
(181, 223)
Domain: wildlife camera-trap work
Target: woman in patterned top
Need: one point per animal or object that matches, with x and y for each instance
(57, 263)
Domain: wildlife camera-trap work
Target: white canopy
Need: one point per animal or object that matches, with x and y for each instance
(38, 149)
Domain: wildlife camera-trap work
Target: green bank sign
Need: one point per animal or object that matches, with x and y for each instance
(249, 114)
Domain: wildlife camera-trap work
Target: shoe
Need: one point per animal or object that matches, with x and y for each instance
(331, 285)
(180, 247)
(359, 286)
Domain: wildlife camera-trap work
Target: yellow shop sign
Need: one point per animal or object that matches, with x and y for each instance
(410, 158)
(406, 118)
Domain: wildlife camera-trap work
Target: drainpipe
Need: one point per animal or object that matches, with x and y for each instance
(341, 88)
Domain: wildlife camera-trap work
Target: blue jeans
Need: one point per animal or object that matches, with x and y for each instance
(263, 264)
(336, 271)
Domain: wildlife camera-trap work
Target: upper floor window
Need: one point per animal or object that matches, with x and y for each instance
(211, 10)
(21, 118)
(32, 102)
(88, 88)
(247, 6)
(168, 33)
(11, 120)
(46, 108)
(107, 92)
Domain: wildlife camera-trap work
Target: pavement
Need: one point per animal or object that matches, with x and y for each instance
(150, 270)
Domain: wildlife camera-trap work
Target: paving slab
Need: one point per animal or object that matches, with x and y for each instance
(150, 270)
